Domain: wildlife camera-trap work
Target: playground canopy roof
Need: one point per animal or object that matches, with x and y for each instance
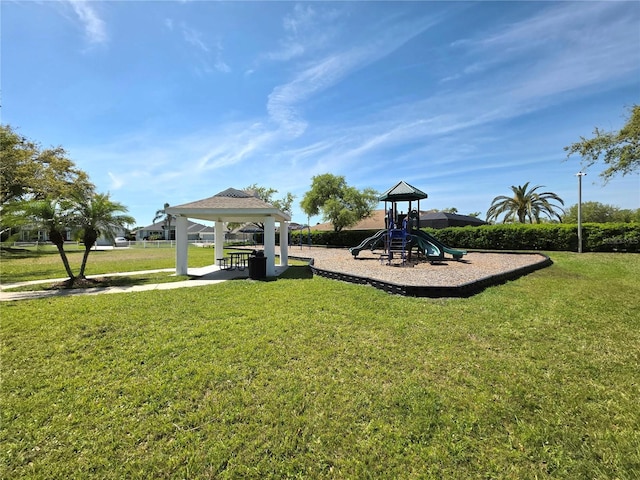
(402, 192)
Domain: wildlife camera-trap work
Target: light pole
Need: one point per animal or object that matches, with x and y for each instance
(580, 175)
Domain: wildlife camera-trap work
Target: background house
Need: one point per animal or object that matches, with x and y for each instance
(429, 218)
(196, 232)
(445, 219)
(27, 234)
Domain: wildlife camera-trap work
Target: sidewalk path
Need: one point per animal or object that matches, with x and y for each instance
(200, 276)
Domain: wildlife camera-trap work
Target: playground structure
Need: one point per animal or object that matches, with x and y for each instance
(402, 231)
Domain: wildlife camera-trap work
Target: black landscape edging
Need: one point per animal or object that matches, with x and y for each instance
(458, 291)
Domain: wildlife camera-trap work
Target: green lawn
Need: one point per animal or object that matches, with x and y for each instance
(314, 378)
(45, 262)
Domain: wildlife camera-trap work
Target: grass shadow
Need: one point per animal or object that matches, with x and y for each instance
(297, 272)
(100, 282)
(10, 253)
(293, 272)
(105, 282)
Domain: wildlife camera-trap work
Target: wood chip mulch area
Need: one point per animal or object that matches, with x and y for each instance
(447, 278)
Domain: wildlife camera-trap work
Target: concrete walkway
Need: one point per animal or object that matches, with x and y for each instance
(209, 275)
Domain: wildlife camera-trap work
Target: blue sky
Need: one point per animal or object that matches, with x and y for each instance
(177, 101)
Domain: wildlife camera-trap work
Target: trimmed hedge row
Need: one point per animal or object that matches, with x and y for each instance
(345, 238)
(596, 237)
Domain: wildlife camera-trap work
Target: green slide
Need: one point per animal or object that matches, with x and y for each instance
(428, 249)
(369, 242)
(425, 238)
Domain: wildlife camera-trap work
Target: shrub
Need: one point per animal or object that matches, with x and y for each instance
(344, 238)
(596, 237)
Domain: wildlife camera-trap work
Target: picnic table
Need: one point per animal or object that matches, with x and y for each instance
(239, 260)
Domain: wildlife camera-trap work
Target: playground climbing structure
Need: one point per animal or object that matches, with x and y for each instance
(402, 233)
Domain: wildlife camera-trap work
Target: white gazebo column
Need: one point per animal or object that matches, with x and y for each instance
(218, 226)
(270, 245)
(182, 245)
(284, 244)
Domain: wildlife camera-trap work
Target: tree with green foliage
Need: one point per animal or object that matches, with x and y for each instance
(98, 215)
(525, 203)
(28, 172)
(620, 151)
(167, 219)
(596, 212)
(339, 203)
(265, 194)
(52, 216)
(94, 215)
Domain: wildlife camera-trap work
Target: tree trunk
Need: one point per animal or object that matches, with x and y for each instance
(65, 261)
(58, 240)
(90, 236)
(85, 257)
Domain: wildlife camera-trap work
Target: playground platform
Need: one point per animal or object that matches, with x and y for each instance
(445, 278)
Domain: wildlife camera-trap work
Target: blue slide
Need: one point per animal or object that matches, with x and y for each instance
(428, 243)
(369, 242)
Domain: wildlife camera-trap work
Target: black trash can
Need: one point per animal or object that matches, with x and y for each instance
(257, 265)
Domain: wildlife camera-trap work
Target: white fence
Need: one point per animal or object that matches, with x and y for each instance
(127, 244)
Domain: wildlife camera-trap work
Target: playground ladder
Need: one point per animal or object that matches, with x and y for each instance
(398, 244)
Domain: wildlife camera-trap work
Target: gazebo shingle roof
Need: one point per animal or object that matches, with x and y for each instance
(230, 205)
(229, 198)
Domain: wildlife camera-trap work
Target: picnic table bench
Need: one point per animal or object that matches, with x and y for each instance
(239, 260)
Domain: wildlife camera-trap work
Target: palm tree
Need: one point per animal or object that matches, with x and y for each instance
(525, 203)
(168, 218)
(52, 217)
(96, 215)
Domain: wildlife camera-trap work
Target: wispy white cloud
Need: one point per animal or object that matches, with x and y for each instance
(117, 181)
(94, 27)
(564, 47)
(288, 51)
(557, 22)
(282, 104)
(586, 60)
(233, 146)
(219, 64)
(307, 29)
(427, 130)
(194, 38)
(318, 74)
(209, 57)
(176, 162)
(300, 18)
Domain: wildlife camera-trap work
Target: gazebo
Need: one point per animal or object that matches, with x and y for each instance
(231, 205)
